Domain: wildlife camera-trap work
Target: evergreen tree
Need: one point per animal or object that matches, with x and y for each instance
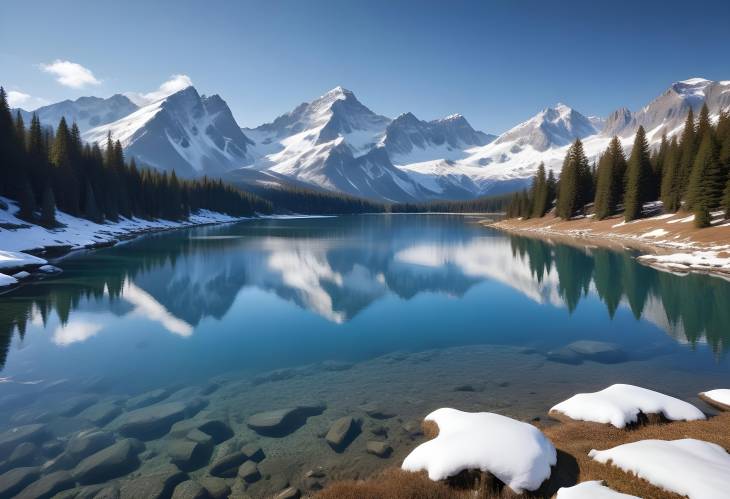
(688, 146)
(575, 182)
(540, 201)
(7, 144)
(48, 208)
(638, 177)
(20, 130)
(91, 209)
(27, 203)
(552, 188)
(671, 188)
(610, 181)
(707, 181)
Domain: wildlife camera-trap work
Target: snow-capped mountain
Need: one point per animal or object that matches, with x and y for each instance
(336, 143)
(185, 132)
(86, 112)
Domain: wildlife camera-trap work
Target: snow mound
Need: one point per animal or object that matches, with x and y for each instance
(6, 280)
(621, 404)
(516, 453)
(720, 396)
(17, 259)
(593, 490)
(688, 467)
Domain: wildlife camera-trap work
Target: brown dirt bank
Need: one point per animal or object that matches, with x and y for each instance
(660, 235)
(573, 439)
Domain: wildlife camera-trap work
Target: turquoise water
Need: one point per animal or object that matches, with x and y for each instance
(399, 310)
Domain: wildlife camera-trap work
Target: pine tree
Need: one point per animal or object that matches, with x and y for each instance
(707, 181)
(7, 144)
(575, 182)
(638, 176)
(48, 208)
(27, 203)
(610, 181)
(552, 189)
(688, 147)
(704, 126)
(91, 209)
(540, 193)
(671, 189)
(20, 130)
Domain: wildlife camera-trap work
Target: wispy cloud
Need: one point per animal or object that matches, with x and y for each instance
(70, 74)
(75, 331)
(17, 98)
(176, 83)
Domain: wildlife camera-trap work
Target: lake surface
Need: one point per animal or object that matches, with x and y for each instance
(383, 318)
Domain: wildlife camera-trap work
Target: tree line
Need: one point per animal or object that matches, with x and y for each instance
(690, 172)
(45, 169)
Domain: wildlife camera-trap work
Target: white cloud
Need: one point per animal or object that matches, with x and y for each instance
(26, 101)
(71, 74)
(75, 331)
(176, 83)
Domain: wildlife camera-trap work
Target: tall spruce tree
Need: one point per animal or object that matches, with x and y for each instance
(688, 148)
(540, 193)
(638, 177)
(707, 182)
(7, 145)
(48, 207)
(575, 182)
(671, 188)
(610, 181)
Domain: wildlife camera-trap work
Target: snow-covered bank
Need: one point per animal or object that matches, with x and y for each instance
(18, 236)
(671, 242)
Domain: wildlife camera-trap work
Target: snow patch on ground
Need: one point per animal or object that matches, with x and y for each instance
(593, 490)
(620, 405)
(688, 467)
(721, 395)
(655, 233)
(697, 260)
(516, 453)
(16, 259)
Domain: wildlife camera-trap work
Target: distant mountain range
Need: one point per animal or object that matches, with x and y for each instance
(338, 144)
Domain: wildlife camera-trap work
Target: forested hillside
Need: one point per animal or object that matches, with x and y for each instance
(689, 172)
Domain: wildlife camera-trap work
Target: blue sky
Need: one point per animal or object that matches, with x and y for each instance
(497, 63)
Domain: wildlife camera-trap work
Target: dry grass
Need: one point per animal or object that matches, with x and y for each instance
(573, 439)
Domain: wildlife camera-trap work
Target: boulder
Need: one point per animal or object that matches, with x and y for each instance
(155, 486)
(74, 405)
(249, 472)
(282, 422)
(289, 493)
(226, 466)
(187, 454)
(101, 413)
(112, 462)
(79, 446)
(52, 448)
(24, 455)
(48, 486)
(254, 452)
(342, 432)
(15, 480)
(374, 410)
(10, 439)
(190, 490)
(217, 487)
(378, 448)
(148, 398)
(201, 438)
(596, 351)
(154, 421)
(217, 429)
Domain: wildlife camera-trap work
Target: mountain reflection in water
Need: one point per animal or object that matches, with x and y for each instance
(337, 268)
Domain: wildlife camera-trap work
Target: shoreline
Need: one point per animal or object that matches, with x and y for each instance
(667, 242)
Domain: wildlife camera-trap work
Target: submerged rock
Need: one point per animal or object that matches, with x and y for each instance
(48, 486)
(249, 472)
(155, 486)
(15, 480)
(190, 490)
(374, 410)
(289, 493)
(112, 462)
(254, 452)
(101, 413)
(217, 487)
(218, 430)
(24, 454)
(226, 466)
(155, 420)
(342, 432)
(377, 448)
(188, 455)
(597, 351)
(34, 433)
(79, 446)
(74, 405)
(282, 422)
(148, 398)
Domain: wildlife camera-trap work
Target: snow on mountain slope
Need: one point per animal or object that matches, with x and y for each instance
(86, 112)
(185, 132)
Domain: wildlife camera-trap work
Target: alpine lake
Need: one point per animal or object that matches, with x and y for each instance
(192, 352)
